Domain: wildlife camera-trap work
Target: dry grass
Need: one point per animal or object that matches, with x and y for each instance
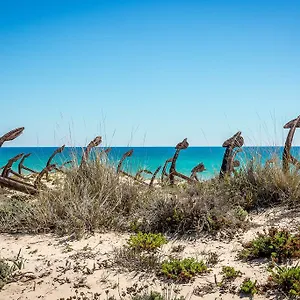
(94, 197)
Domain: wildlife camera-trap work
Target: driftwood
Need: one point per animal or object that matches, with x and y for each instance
(229, 162)
(154, 175)
(287, 157)
(197, 169)
(94, 143)
(21, 165)
(11, 135)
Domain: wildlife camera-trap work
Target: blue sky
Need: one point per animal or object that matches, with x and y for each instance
(149, 72)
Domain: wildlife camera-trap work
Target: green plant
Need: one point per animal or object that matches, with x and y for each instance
(8, 267)
(248, 287)
(149, 296)
(156, 296)
(287, 279)
(146, 241)
(229, 273)
(241, 213)
(276, 243)
(182, 270)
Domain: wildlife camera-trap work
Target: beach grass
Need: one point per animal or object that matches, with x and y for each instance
(93, 197)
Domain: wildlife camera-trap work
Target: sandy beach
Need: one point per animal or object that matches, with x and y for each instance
(60, 267)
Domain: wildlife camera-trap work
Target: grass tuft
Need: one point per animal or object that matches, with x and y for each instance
(287, 279)
(94, 197)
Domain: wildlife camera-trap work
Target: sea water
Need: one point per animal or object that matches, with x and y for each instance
(148, 157)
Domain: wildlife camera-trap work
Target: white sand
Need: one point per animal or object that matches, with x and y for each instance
(56, 267)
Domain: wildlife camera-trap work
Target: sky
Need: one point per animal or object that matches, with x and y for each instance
(149, 73)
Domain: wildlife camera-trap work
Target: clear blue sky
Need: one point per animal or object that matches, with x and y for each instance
(149, 72)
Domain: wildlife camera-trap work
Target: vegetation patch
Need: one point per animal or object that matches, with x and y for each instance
(146, 241)
(277, 244)
(95, 197)
(156, 296)
(229, 273)
(182, 270)
(8, 267)
(286, 279)
(133, 260)
(140, 253)
(249, 287)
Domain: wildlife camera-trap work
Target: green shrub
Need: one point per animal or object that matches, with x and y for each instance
(248, 287)
(276, 243)
(156, 296)
(182, 270)
(287, 279)
(229, 273)
(8, 267)
(146, 241)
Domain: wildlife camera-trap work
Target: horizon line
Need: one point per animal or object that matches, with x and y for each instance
(199, 146)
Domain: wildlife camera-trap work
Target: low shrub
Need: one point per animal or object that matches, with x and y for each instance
(146, 241)
(275, 243)
(229, 273)
(156, 296)
(286, 279)
(248, 287)
(182, 270)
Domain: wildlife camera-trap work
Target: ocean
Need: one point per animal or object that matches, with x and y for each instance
(148, 157)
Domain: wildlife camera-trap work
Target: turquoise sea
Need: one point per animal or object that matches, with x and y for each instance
(148, 157)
